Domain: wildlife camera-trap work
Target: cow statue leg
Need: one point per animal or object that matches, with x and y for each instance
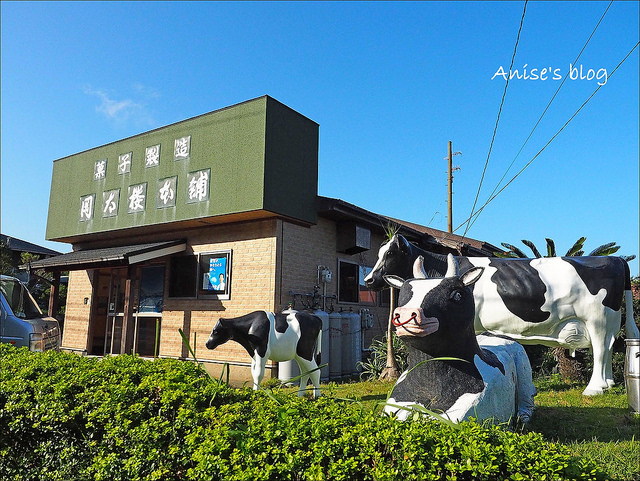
(306, 367)
(257, 370)
(601, 376)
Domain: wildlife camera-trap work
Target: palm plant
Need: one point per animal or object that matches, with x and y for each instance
(575, 250)
(391, 371)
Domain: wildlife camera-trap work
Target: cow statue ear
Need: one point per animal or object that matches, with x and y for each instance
(472, 276)
(394, 281)
(418, 268)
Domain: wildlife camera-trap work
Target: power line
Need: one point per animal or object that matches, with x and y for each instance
(544, 112)
(475, 214)
(495, 128)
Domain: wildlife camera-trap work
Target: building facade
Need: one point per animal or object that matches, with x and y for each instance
(210, 218)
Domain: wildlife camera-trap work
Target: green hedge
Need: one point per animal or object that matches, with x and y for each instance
(64, 417)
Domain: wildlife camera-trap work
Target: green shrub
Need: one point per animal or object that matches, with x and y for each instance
(63, 416)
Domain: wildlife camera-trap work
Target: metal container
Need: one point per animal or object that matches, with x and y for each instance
(335, 345)
(356, 342)
(324, 351)
(347, 344)
(632, 373)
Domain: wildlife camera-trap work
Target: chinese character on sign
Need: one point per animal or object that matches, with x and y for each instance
(182, 148)
(198, 186)
(124, 163)
(152, 156)
(86, 207)
(166, 192)
(137, 198)
(110, 203)
(100, 169)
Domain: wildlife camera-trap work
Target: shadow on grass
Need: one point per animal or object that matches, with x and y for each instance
(374, 397)
(567, 424)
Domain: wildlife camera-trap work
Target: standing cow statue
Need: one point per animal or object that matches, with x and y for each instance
(573, 302)
(450, 370)
(279, 337)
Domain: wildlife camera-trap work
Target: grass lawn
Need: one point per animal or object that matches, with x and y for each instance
(602, 428)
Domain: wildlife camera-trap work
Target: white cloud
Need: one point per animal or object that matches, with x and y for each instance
(125, 110)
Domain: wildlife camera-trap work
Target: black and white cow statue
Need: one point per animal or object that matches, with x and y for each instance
(573, 302)
(484, 377)
(279, 337)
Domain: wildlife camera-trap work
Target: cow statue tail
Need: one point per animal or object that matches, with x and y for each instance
(631, 330)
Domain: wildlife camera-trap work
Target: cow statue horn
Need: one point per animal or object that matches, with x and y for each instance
(418, 268)
(452, 267)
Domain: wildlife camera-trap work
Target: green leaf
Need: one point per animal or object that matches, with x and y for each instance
(391, 228)
(534, 249)
(605, 249)
(551, 248)
(576, 248)
(515, 250)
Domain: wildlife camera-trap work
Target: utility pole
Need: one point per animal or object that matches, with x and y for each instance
(450, 185)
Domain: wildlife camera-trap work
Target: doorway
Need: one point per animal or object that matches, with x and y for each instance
(108, 318)
(148, 316)
(115, 312)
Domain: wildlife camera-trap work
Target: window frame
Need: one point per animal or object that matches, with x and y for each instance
(361, 274)
(219, 295)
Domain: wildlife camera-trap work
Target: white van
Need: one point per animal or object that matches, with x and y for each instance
(22, 323)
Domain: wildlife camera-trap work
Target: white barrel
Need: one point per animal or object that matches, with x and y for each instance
(356, 324)
(632, 373)
(324, 354)
(335, 345)
(347, 344)
(288, 369)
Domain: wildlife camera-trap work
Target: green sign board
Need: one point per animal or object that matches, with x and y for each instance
(256, 158)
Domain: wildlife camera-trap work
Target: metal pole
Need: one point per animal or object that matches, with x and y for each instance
(155, 348)
(450, 184)
(135, 333)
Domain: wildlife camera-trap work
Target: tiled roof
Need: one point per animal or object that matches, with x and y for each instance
(20, 245)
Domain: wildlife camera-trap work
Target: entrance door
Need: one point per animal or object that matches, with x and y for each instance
(148, 318)
(115, 312)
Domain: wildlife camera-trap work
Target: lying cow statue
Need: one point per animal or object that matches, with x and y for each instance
(491, 378)
(279, 337)
(573, 302)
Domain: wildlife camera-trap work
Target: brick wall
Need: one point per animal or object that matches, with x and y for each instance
(305, 248)
(252, 288)
(270, 258)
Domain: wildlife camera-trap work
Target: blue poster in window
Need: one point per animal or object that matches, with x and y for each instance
(216, 280)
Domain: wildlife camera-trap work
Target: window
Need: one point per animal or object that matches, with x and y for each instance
(203, 276)
(351, 287)
(151, 289)
(214, 278)
(183, 273)
(385, 297)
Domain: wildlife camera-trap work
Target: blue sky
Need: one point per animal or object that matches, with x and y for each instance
(389, 83)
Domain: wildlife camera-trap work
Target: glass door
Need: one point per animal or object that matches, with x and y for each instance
(148, 318)
(115, 312)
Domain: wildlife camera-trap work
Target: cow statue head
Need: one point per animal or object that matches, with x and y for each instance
(435, 314)
(220, 334)
(393, 256)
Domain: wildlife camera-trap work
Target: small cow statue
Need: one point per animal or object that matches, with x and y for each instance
(573, 302)
(279, 337)
(491, 376)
